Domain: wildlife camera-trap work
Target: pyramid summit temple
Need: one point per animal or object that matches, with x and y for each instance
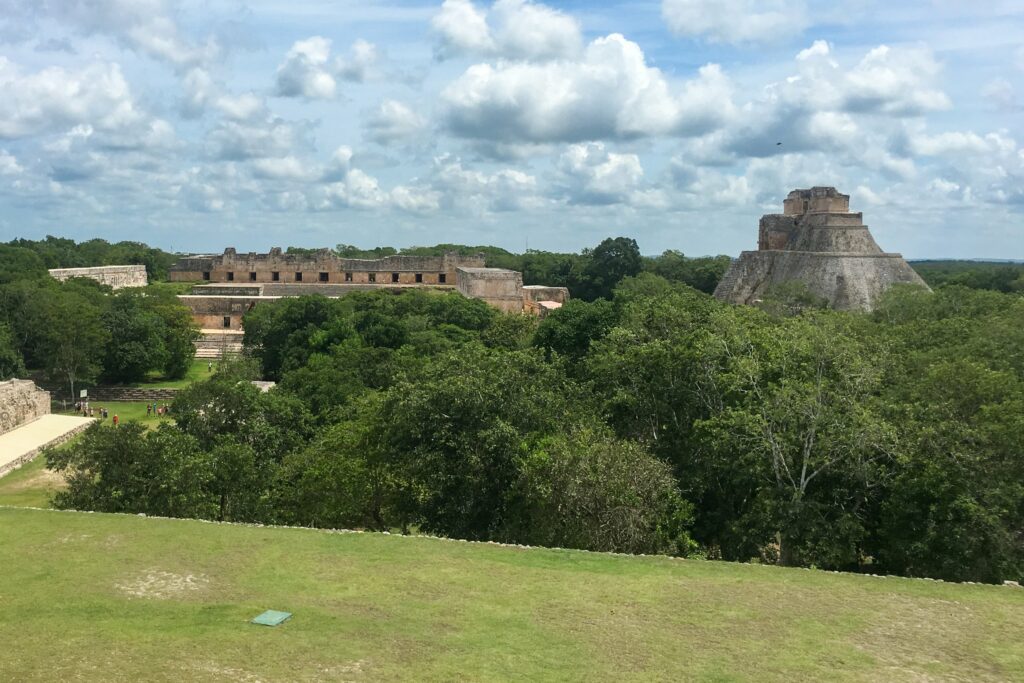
(816, 240)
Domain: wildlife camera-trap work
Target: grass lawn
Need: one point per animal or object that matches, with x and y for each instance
(123, 598)
(125, 411)
(30, 485)
(198, 371)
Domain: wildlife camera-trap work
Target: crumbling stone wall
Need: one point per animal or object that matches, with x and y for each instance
(324, 267)
(500, 288)
(815, 200)
(114, 276)
(221, 312)
(21, 402)
(533, 293)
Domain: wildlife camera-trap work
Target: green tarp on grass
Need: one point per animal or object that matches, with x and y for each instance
(272, 618)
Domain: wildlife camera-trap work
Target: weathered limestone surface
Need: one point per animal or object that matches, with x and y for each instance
(115, 276)
(221, 311)
(255, 278)
(21, 402)
(543, 293)
(21, 445)
(322, 267)
(499, 287)
(819, 242)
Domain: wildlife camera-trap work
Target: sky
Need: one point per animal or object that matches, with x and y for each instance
(195, 126)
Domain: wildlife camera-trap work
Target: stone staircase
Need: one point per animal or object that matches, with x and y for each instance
(115, 393)
(728, 282)
(215, 344)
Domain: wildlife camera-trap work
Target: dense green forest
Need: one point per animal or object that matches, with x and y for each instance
(997, 276)
(657, 421)
(642, 416)
(58, 252)
(79, 332)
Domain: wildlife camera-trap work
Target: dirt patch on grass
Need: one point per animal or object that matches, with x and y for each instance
(923, 639)
(214, 672)
(41, 479)
(161, 585)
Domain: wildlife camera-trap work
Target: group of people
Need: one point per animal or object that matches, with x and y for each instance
(158, 410)
(87, 410)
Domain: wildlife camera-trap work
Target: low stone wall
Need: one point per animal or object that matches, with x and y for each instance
(500, 288)
(112, 393)
(114, 276)
(31, 455)
(21, 402)
(534, 293)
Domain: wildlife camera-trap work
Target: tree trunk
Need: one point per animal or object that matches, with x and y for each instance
(786, 555)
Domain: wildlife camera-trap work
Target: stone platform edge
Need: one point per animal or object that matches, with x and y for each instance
(31, 455)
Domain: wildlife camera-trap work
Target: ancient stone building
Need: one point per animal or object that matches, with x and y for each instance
(819, 242)
(234, 285)
(499, 287)
(21, 402)
(323, 267)
(115, 276)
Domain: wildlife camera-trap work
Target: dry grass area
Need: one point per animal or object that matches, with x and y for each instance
(147, 599)
(31, 485)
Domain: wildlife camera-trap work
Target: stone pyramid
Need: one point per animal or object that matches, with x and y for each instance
(817, 241)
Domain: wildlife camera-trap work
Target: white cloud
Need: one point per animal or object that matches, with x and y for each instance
(597, 176)
(241, 107)
(519, 29)
(609, 93)
(1002, 94)
(270, 137)
(9, 164)
(56, 98)
(416, 200)
(528, 30)
(393, 121)
(462, 28)
(853, 113)
(356, 190)
(308, 70)
(284, 168)
(148, 26)
(735, 21)
(452, 187)
(896, 82)
(201, 91)
(363, 58)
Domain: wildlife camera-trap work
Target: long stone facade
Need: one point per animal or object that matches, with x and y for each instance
(21, 402)
(114, 276)
(233, 284)
(323, 267)
(818, 241)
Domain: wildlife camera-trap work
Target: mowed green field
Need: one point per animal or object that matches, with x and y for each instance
(31, 485)
(122, 598)
(126, 411)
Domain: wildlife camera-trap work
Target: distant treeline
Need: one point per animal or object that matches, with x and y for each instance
(60, 252)
(998, 277)
(586, 273)
(79, 332)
